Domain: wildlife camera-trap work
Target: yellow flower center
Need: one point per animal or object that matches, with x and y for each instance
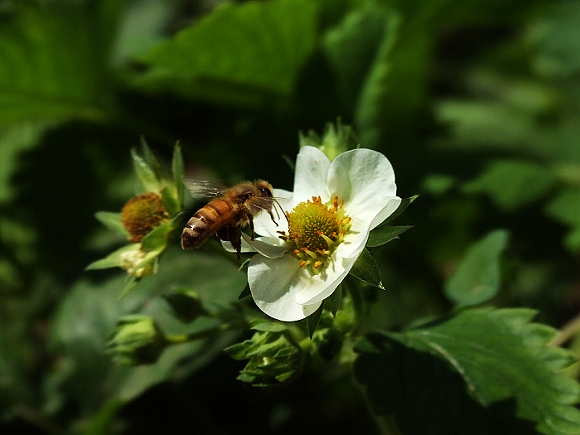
(315, 230)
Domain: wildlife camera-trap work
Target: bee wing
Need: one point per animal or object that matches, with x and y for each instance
(203, 189)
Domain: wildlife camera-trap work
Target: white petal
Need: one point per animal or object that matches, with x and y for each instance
(389, 209)
(316, 288)
(263, 224)
(311, 174)
(245, 247)
(267, 246)
(274, 289)
(365, 180)
(354, 240)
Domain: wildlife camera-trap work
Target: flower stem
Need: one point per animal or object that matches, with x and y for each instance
(206, 333)
(566, 332)
(386, 425)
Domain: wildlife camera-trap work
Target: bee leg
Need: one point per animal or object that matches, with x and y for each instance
(272, 217)
(251, 219)
(232, 234)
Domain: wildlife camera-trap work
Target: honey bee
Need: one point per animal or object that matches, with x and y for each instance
(223, 216)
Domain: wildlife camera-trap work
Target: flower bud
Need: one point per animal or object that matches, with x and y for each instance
(132, 262)
(142, 213)
(137, 340)
(273, 357)
(335, 141)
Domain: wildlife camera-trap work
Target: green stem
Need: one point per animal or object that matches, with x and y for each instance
(386, 425)
(207, 333)
(566, 332)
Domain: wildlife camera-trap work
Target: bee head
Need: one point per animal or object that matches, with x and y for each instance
(266, 190)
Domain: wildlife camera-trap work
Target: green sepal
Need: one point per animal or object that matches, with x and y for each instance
(478, 276)
(157, 238)
(273, 354)
(384, 234)
(245, 292)
(145, 173)
(334, 300)
(399, 211)
(313, 320)
(366, 269)
(335, 140)
(113, 222)
(113, 259)
(178, 171)
(148, 258)
(151, 160)
(170, 202)
(130, 284)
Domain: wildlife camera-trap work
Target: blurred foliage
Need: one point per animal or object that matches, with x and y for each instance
(475, 103)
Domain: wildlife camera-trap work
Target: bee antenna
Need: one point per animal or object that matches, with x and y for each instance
(281, 209)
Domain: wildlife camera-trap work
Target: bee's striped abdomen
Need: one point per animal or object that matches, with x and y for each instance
(205, 222)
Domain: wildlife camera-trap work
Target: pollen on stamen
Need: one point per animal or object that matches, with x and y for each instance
(315, 229)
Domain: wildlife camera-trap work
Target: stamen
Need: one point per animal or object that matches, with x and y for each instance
(316, 229)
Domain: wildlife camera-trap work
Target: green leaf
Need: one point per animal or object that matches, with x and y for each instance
(366, 269)
(512, 184)
(186, 305)
(90, 310)
(566, 208)
(113, 259)
(438, 184)
(395, 86)
(351, 49)
(478, 276)
(12, 142)
(52, 63)
(384, 234)
(113, 222)
(269, 327)
(239, 54)
(104, 421)
(492, 125)
(557, 42)
(482, 371)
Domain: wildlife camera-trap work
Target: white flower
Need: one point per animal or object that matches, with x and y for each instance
(333, 208)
